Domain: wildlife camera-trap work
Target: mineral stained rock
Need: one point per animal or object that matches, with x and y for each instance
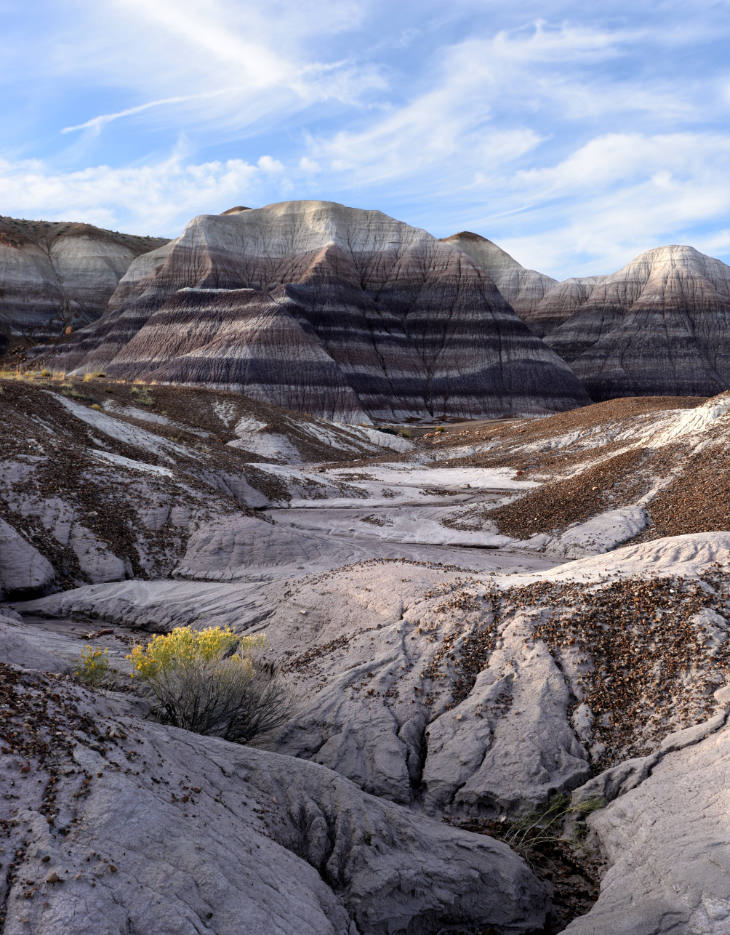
(660, 325)
(344, 313)
(58, 275)
(522, 288)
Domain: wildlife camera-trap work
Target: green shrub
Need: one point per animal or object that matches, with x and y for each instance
(142, 395)
(546, 823)
(209, 681)
(92, 666)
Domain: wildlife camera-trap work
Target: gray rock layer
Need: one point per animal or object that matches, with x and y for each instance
(667, 842)
(325, 309)
(659, 326)
(133, 827)
(56, 275)
(523, 288)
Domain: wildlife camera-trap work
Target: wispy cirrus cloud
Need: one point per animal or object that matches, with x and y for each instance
(574, 134)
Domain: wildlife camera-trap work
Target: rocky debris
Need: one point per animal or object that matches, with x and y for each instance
(342, 313)
(665, 838)
(575, 499)
(522, 288)
(57, 275)
(611, 473)
(113, 822)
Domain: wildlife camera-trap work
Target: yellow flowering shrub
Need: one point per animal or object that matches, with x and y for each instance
(92, 666)
(184, 646)
(209, 681)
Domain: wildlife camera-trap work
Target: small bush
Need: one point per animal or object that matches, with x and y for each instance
(404, 433)
(546, 823)
(92, 666)
(210, 682)
(45, 373)
(142, 396)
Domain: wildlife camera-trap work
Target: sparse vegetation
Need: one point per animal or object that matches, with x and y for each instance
(211, 682)
(92, 666)
(142, 396)
(547, 823)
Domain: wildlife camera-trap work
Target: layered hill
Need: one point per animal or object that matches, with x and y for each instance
(659, 326)
(523, 288)
(55, 274)
(344, 313)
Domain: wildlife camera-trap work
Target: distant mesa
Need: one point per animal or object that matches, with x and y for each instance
(339, 312)
(353, 315)
(660, 325)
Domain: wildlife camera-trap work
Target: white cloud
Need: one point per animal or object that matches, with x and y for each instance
(154, 199)
(224, 63)
(620, 195)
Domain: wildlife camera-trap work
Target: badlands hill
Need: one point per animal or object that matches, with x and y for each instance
(54, 275)
(343, 313)
(523, 288)
(660, 325)
(508, 643)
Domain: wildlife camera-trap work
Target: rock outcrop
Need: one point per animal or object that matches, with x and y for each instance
(343, 313)
(114, 824)
(59, 275)
(522, 288)
(661, 325)
(666, 838)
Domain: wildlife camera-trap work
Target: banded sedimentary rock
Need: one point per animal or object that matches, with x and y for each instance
(522, 288)
(56, 275)
(659, 326)
(560, 303)
(346, 313)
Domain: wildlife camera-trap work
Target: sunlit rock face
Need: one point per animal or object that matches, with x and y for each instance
(340, 312)
(659, 326)
(56, 275)
(522, 288)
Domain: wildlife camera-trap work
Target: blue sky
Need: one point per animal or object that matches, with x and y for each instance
(574, 135)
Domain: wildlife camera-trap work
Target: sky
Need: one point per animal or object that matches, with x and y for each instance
(574, 135)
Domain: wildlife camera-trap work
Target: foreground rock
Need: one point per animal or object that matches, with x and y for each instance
(113, 823)
(55, 276)
(325, 309)
(667, 839)
(428, 685)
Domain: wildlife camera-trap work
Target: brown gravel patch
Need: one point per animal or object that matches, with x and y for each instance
(650, 668)
(696, 501)
(559, 504)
